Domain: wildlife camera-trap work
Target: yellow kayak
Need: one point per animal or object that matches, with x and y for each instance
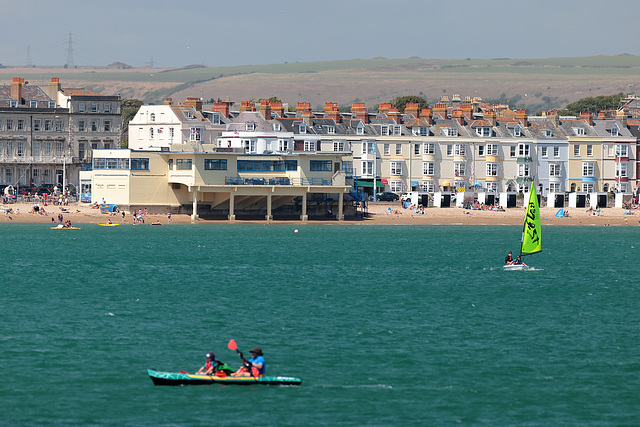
(108, 225)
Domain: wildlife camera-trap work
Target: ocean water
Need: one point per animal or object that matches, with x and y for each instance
(386, 325)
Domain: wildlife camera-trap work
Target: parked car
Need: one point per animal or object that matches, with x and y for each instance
(386, 196)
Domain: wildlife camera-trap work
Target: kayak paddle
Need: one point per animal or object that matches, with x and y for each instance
(233, 346)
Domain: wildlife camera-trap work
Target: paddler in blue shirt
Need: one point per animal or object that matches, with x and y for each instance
(256, 363)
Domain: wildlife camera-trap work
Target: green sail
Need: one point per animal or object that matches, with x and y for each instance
(531, 231)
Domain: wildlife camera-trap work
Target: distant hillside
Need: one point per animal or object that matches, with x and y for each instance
(532, 83)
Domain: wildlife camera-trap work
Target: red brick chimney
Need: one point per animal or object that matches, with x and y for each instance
(587, 116)
(384, 108)
(440, 109)
(265, 109)
(458, 116)
(521, 115)
(412, 109)
(490, 116)
(360, 111)
(302, 108)
(277, 108)
(167, 101)
(331, 108)
(16, 89)
(427, 115)
(221, 107)
(395, 115)
(601, 115)
(246, 106)
(196, 103)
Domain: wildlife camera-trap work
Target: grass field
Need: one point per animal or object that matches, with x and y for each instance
(533, 83)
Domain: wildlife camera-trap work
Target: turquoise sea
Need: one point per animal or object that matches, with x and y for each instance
(386, 325)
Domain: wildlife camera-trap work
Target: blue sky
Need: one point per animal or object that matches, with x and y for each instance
(240, 32)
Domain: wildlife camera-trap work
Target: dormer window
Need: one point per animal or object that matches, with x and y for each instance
(483, 131)
(250, 127)
(384, 130)
(360, 129)
(331, 129)
(52, 104)
(33, 104)
(13, 103)
(615, 130)
(215, 119)
(578, 131)
(152, 117)
(546, 133)
(450, 131)
(517, 131)
(276, 127)
(303, 127)
(397, 130)
(188, 114)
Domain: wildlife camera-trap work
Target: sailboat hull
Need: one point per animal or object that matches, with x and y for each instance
(516, 267)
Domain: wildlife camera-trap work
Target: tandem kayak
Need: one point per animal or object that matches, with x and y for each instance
(175, 378)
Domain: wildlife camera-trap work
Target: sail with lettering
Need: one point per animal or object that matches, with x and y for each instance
(531, 230)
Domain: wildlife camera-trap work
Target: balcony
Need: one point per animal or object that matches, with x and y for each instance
(522, 179)
(238, 180)
(524, 160)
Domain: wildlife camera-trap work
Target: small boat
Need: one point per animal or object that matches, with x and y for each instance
(108, 225)
(531, 241)
(156, 223)
(178, 378)
(65, 228)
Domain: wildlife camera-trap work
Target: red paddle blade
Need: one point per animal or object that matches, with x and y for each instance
(232, 345)
(184, 372)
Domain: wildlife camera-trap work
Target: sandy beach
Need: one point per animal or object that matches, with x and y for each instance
(82, 213)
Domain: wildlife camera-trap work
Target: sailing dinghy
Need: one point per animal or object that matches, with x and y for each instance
(531, 242)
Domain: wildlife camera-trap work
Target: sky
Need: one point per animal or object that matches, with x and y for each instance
(175, 33)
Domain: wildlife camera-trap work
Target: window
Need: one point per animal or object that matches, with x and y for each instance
(360, 129)
(36, 176)
(395, 186)
(523, 150)
(140, 164)
(543, 151)
(95, 124)
(555, 187)
(283, 145)
(517, 131)
(331, 129)
(249, 145)
(33, 104)
(338, 145)
(35, 150)
(588, 187)
(9, 147)
(195, 133)
(81, 108)
(621, 169)
(47, 149)
(546, 133)
(48, 125)
(347, 167)
(589, 150)
(481, 150)
(420, 131)
(398, 149)
(384, 129)
(0, 124)
(512, 150)
(309, 146)
(622, 150)
(94, 107)
(387, 150)
(111, 163)
(367, 167)
(460, 169)
(492, 169)
(107, 108)
(396, 168)
(321, 165)
(492, 149)
(428, 168)
(556, 152)
(428, 148)
(81, 126)
(172, 133)
(615, 130)
(483, 131)
(450, 131)
(58, 125)
(36, 125)
(397, 130)
(183, 164)
(523, 170)
(215, 119)
(20, 124)
(81, 150)
(459, 150)
(449, 150)
(276, 127)
(588, 169)
(252, 126)
(368, 147)
(267, 165)
(554, 169)
(492, 187)
(152, 117)
(215, 164)
(578, 131)
(428, 186)
(151, 133)
(58, 148)
(12, 103)
(9, 124)
(107, 125)
(416, 149)
(20, 149)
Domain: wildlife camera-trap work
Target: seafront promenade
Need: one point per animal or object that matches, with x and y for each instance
(378, 213)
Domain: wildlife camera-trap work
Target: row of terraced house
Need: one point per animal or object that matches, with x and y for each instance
(269, 158)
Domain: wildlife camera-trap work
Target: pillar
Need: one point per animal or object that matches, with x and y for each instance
(340, 207)
(269, 216)
(194, 214)
(304, 216)
(232, 202)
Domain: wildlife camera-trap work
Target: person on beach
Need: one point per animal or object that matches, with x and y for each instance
(256, 364)
(508, 260)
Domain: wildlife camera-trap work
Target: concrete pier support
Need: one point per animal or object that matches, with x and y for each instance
(340, 207)
(304, 216)
(269, 216)
(232, 202)
(194, 214)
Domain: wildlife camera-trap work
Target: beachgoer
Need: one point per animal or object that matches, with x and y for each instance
(256, 364)
(169, 217)
(110, 221)
(508, 260)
